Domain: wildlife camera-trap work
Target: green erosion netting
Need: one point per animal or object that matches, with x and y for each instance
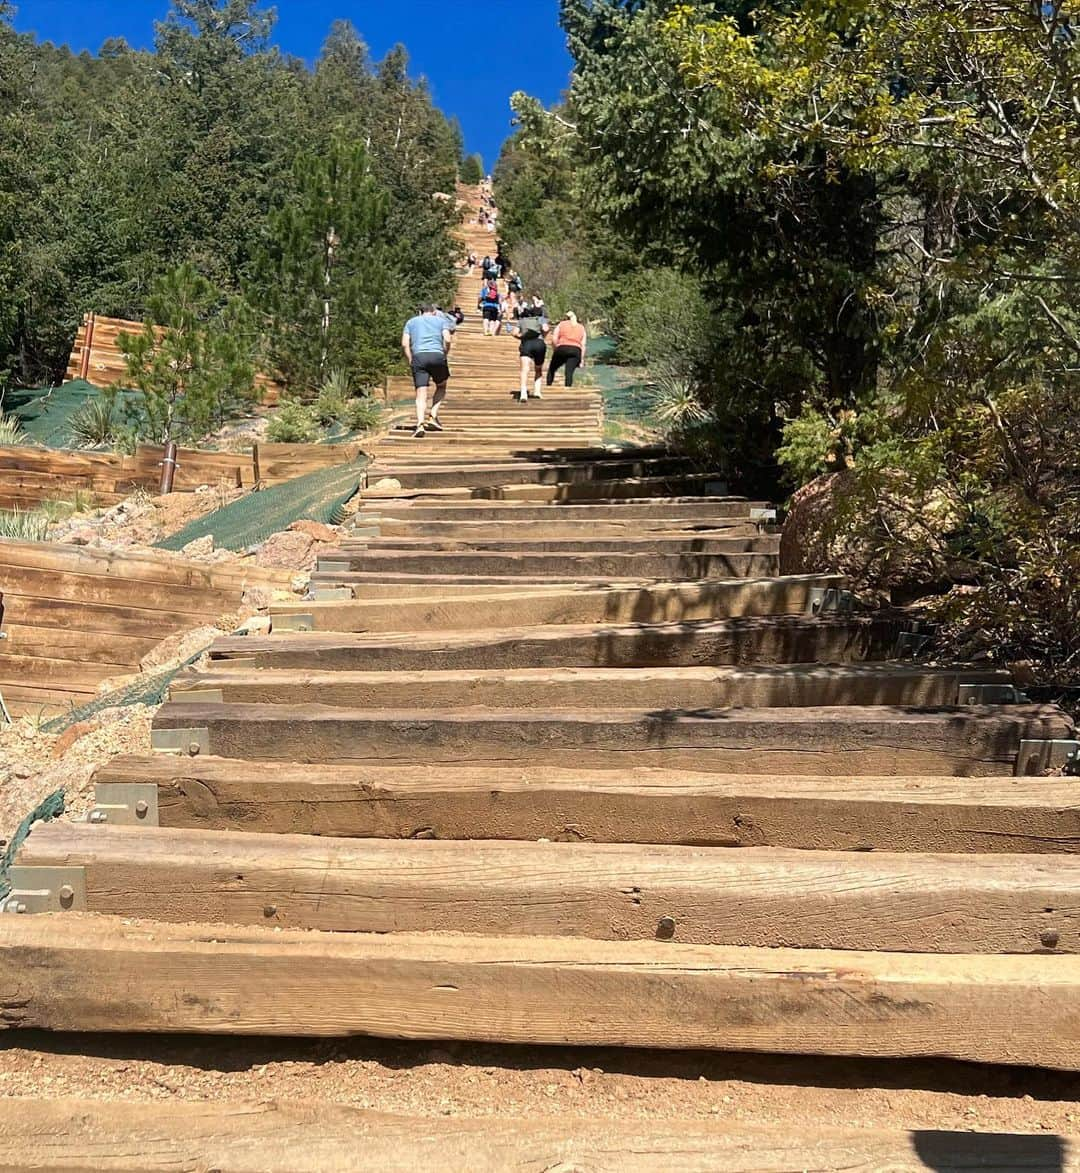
(46, 810)
(145, 690)
(626, 397)
(317, 496)
(45, 413)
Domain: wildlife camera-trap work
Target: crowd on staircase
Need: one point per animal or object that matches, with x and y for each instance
(504, 308)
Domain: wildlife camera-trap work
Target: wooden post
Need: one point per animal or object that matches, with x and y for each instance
(88, 346)
(168, 468)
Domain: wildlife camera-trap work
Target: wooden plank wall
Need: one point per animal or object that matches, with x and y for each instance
(76, 617)
(97, 357)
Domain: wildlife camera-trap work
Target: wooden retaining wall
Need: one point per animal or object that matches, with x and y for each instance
(74, 617)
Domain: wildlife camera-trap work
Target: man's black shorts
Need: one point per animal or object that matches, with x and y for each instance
(429, 368)
(491, 313)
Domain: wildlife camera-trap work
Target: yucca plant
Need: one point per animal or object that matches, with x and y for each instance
(61, 508)
(675, 402)
(333, 398)
(22, 526)
(93, 424)
(10, 430)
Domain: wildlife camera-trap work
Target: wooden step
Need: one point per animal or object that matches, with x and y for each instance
(969, 741)
(576, 605)
(652, 544)
(627, 511)
(634, 804)
(72, 972)
(588, 688)
(761, 897)
(768, 640)
(563, 564)
(292, 1136)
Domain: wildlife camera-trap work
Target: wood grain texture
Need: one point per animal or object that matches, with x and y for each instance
(770, 640)
(78, 1136)
(74, 972)
(765, 897)
(965, 741)
(590, 688)
(637, 805)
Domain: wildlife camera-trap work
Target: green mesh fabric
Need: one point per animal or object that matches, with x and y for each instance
(46, 810)
(45, 413)
(144, 690)
(317, 496)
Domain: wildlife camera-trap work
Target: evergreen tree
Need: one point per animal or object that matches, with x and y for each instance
(472, 170)
(326, 278)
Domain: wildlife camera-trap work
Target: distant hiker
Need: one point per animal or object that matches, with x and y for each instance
(502, 263)
(532, 351)
(514, 282)
(458, 314)
(569, 341)
(490, 305)
(426, 341)
(491, 269)
(470, 261)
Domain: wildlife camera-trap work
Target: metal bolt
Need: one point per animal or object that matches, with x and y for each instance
(194, 748)
(142, 808)
(665, 928)
(99, 817)
(1049, 938)
(67, 896)
(270, 910)
(20, 907)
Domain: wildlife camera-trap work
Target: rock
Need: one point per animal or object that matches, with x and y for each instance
(22, 771)
(258, 598)
(81, 537)
(316, 530)
(70, 735)
(387, 484)
(287, 551)
(199, 548)
(177, 648)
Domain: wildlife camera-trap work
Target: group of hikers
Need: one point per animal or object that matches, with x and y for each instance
(429, 337)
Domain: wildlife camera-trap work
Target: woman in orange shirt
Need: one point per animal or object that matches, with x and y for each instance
(570, 340)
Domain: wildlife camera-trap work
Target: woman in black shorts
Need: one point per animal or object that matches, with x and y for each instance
(533, 350)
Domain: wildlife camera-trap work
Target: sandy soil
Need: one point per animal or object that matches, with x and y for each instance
(469, 1080)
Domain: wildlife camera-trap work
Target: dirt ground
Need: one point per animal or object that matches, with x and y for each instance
(469, 1080)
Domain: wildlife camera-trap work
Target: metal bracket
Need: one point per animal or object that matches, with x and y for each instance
(198, 696)
(829, 601)
(334, 594)
(910, 644)
(1037, 756)
(365, 531)
(332, 566)
(45, 889)
(990, 694)
(125, 804)
(761, 516)
(292, 622)
(188, 742)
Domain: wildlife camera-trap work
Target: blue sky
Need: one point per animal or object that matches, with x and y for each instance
(475, 55)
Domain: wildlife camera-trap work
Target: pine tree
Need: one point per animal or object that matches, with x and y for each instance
(327, 280)
(472, 170)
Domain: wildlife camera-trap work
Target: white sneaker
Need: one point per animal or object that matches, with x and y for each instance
(523, 397)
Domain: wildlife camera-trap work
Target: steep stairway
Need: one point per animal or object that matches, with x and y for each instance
(553, 754)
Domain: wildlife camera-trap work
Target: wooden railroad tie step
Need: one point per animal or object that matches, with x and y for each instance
(763, 897)
(589, 688)
(671, 602)
(768, 640)
(879, 740)
(322, 1137)
(630, 805)
(74, 972)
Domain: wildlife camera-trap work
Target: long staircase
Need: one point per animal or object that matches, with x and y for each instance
(553, 754)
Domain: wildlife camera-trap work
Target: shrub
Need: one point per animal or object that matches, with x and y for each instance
(23, 527)
(293, 423)
(10, 430)
(333, 398)
(94, 423)
(364, 414)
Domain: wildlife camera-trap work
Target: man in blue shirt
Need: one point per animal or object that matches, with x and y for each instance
(426, 341)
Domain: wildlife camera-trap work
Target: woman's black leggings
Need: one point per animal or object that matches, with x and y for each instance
(564, 356)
